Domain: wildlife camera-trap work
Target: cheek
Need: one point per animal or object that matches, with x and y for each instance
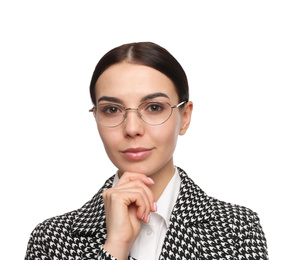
(167, 134)
(109, 138)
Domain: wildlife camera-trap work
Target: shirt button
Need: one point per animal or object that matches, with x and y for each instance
(149, 232)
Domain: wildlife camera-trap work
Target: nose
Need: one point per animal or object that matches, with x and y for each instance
(133, 125)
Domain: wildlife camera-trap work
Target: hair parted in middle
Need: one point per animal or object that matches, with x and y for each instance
(148, 54)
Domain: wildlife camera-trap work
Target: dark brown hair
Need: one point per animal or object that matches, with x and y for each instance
(148, 54)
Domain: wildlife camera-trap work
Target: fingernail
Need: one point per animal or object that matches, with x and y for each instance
(148, 219)
(155, 206)
(143, 216)
(150, 180)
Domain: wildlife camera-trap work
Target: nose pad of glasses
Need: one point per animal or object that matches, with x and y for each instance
(139, 114)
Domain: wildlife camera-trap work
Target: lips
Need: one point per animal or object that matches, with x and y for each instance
(138, 153)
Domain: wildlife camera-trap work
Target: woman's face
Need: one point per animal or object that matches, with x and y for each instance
(135, 146)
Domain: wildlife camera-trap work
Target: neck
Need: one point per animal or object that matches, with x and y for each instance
(161, 179)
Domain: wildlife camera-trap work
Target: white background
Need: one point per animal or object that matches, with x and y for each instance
(236, 55)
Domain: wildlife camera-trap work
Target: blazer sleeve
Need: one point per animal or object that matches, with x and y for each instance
(104, 255)
(252, 241)
(36, 245)
(39, 247)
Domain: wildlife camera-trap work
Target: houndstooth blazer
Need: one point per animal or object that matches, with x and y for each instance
(201, 227)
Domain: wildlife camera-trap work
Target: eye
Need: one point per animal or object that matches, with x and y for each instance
(154, 107)
(110, 109)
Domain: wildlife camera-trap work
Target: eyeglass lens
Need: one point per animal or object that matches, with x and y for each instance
(153, 113)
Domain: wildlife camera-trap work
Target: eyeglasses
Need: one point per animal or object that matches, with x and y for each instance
(150, 112)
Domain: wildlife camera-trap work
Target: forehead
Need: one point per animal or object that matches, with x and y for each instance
(132, 81)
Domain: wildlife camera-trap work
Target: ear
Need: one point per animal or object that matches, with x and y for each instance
(186, 117)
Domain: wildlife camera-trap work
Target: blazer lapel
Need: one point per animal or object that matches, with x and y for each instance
(193, 208)
(91, 218)
(90, 224)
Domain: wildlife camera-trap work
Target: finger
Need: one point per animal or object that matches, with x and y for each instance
(131, 176)
(144, 204)
(141, 212)
(114, 200)
(131, 186)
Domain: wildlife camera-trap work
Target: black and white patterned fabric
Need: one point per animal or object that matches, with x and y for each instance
(201, 227)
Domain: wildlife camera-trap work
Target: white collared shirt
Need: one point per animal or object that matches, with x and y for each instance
(149, 242)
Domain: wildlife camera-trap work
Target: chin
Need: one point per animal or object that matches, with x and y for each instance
(138, 168)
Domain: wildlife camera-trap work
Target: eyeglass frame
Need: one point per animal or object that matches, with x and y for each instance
(140, 115)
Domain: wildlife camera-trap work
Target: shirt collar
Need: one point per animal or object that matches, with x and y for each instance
(167, 199)
(116, 179)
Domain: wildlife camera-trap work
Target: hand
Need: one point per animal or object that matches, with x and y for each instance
(126, 205)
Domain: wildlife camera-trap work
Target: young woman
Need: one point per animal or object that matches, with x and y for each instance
(149, 209)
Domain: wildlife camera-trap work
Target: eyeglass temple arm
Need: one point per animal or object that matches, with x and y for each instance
(180, 104)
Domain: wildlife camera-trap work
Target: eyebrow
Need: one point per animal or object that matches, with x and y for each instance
(147, 97)
(110, 99)
(154, 95)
